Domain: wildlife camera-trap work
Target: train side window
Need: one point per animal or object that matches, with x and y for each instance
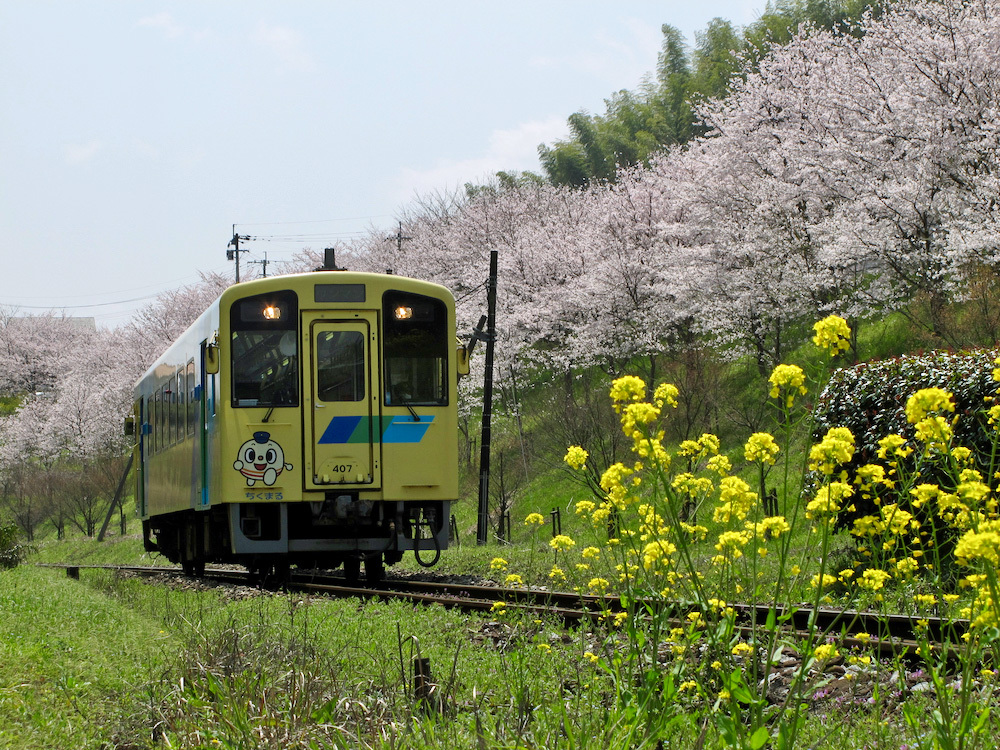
(340, 366)
(192, 402)
(172, 411)
(151, 421)
(415, 349)
(181, 427)
(161, 414)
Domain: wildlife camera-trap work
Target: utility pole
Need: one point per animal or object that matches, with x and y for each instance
(234, 254)
(262, 264)
(399, 237)
(482, 525)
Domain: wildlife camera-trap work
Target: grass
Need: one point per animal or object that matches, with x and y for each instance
(201, 669)
(70, 660)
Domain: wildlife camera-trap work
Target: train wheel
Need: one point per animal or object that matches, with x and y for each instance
(352, 570)
(374, 569)
(193, 568)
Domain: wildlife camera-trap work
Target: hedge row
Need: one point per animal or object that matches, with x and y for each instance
(870, 399)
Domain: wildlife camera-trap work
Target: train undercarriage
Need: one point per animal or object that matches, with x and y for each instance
(270, 538)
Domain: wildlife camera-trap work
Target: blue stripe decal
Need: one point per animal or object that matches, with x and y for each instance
(342, 430)
(405, 430)
(339, 430)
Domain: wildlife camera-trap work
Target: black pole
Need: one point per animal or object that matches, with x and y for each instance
(482, 527)
(116, 503)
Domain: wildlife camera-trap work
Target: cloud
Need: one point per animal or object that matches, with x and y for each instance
(509, 150)
(286, 44)
(622, 61)
(165, 23)
(82, 153)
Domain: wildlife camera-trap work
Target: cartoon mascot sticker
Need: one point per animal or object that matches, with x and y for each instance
(261, 460)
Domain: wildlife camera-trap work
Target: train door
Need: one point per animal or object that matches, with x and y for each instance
(341, 408)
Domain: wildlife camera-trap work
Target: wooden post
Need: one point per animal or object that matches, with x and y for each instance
(423, 684)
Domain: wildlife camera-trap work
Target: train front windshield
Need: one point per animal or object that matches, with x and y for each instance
(415, 350)
(265, 352)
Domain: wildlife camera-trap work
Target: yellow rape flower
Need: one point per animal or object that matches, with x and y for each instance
(832, 334)
(638, 415)
(828, 499)
(730, 545)
(867, 526)
(788, 378)
(665, 394)
(576, 457)
(657, 553)
(836, 447)
(897, 520)
(719, 464)
(689, 484)
(498, 563)
(961, 454)
(536, 519)
(827, 580)
(709, 444)
(735, 499)
(982, 544)
(761, 447)
(826, 651)
(561, 542)
(627, 388)
(870, 475)
(775, 526)
(598, 585)
(894, 445)
(934, 432)
(612, 480)
(872, 579)
(928, 401)
(906, 567)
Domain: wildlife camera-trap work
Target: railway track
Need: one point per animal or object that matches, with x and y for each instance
(892, 634)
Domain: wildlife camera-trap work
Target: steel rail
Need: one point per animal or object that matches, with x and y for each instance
(886, 634)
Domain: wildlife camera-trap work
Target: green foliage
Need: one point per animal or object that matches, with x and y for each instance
(12, 552)
(870, 400)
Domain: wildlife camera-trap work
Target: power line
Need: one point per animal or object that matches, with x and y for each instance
(311, 221)
(81, 307)
(119, 291)
(100, 304)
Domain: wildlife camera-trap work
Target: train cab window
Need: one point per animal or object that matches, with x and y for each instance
(415, 349)
(340, 366)
(265, 356)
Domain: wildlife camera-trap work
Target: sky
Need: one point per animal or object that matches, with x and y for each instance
(135, 134)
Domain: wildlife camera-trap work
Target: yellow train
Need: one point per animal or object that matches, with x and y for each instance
(305, 420)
